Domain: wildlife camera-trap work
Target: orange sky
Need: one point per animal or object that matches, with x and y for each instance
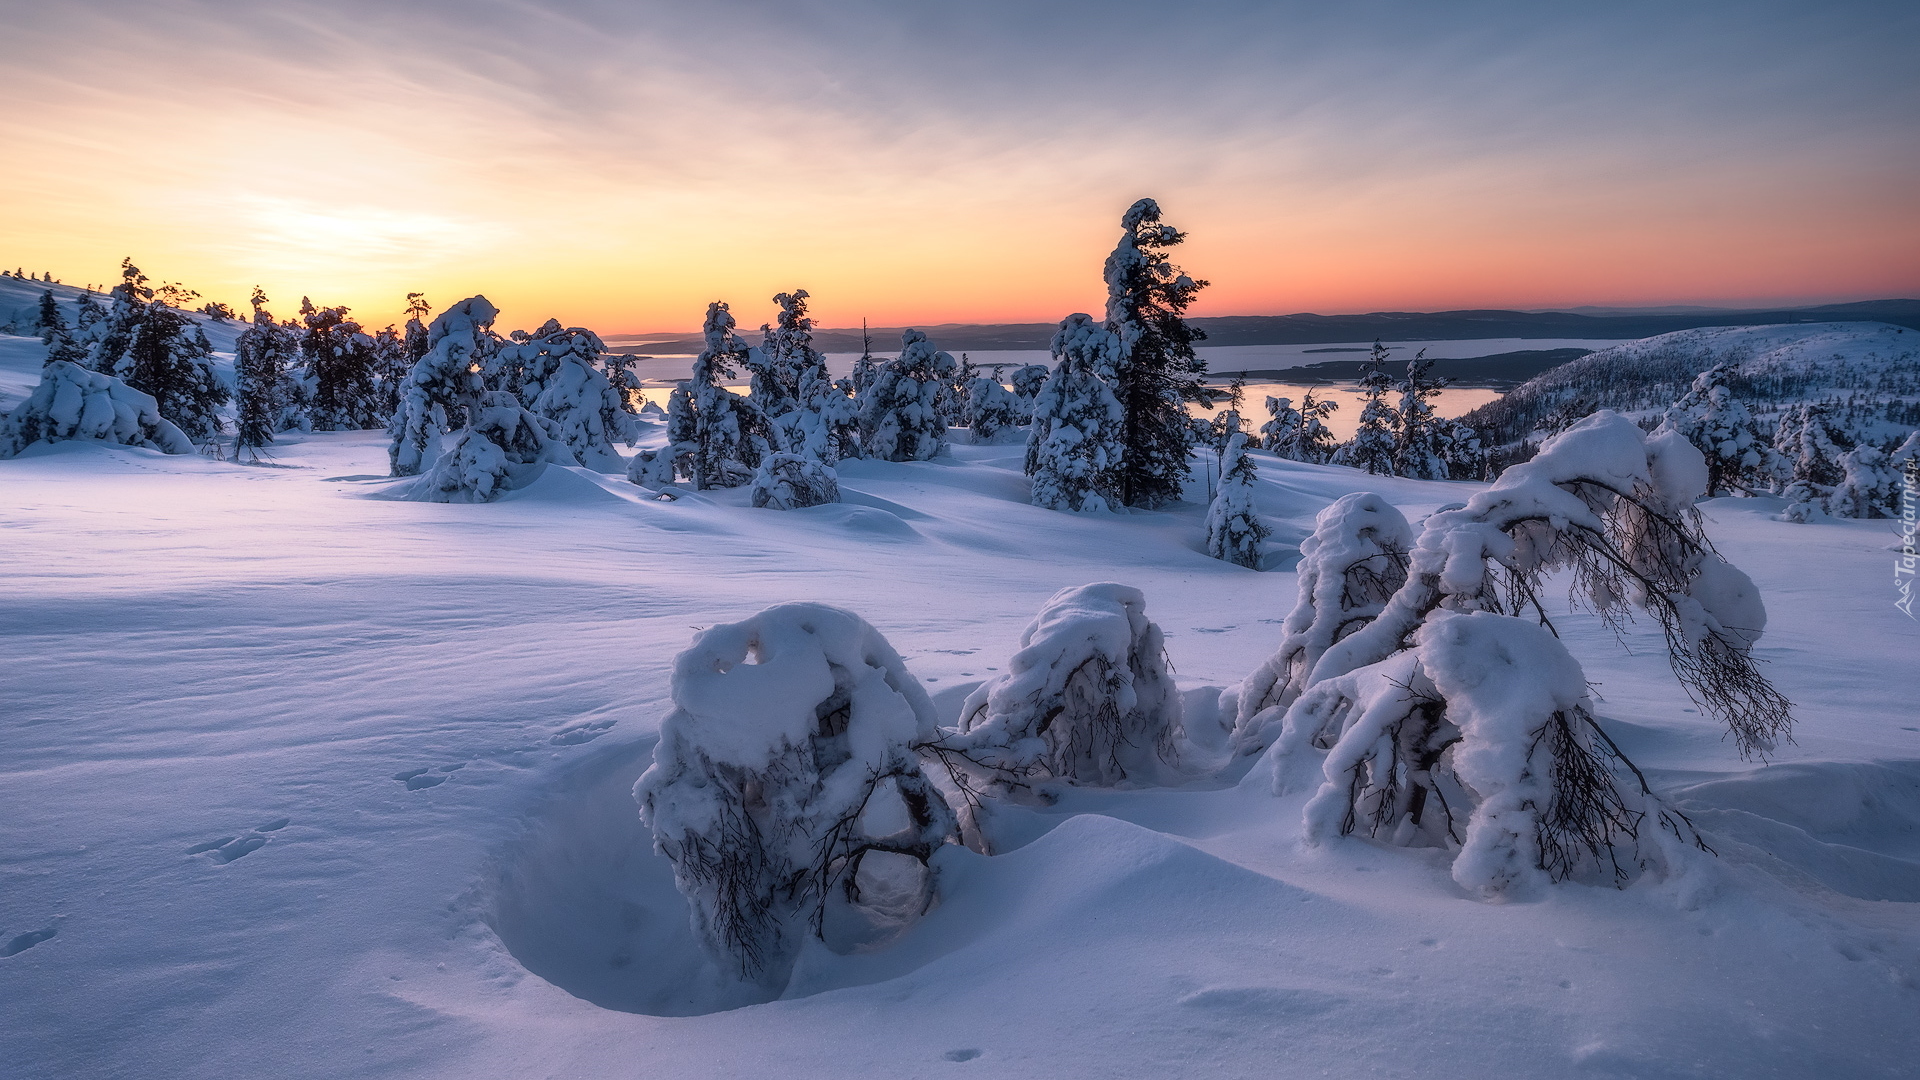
(619, 168)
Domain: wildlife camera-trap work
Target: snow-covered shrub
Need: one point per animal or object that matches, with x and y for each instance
(1088, 699)
(1075, 449)
(443, 383)
(502, 439)
(1721, 428)
(791, 481)
(74, 403)
(1234, 531)
(992, 409)
(1451, 690)
(1353, 563)
(590, 415)
(899, 410)
(786, 791)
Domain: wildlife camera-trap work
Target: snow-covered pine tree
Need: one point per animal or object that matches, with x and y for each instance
(1721, 426)
(1353, 563)
(1420, 437)
(417, 310)
(716, 438)
(500, 441)
(786, 791)
(1463, 452)
(392, 360)
(955, 400)
(1156, 372)
(340, 370)
(113, 336)
(588, 413)
(1075, 449)
(1234, 529)
(47, 318)
(171, 359)
(1810, 446)
(821, 420)
(1454, 720)
(1088, 699)
(899, 412)
(867, 366)
(1282, 426)
(992, 409)
(1026, 381)
(443, 384)
(72, 402)
(1371, 447)
(1313, 442)
(262, 356)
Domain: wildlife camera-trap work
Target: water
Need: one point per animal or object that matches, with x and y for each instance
(662, 371)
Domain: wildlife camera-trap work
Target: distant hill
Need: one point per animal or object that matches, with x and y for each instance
(1307, 329)
(1870, 371)
(1501, 371)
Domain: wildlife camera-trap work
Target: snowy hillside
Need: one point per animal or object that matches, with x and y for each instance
(301, 781)
(1870, 370)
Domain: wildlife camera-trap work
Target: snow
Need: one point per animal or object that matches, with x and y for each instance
(413, 729)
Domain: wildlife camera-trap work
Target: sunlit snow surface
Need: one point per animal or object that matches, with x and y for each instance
(299, 781)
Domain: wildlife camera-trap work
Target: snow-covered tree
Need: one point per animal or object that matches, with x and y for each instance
(1810, 446)
(1371, 447)
(1353, 563)
(71, 402)
(1282, 426)
(1420, 438)
(1075, 449)
(47, 317)
(1452, 719)
(563, 373)
(992, 409)
(786, 791)
(1309, 439)
(1088, 699)
(416, 332)
(1156, 372)
(899, 411)
(818, 416)
(262, 356)
(1721, 427)
(392, 361)
(1026, 381)
(111, 337)
(1462, 450)
(1234, 529)
(172, 359)
(717, 437)
(443, 384)
(1870, 485)
(791, 481)
(490, 455)
(340, 368)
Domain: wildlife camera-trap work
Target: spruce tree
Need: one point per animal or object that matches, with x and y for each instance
(114, 336)
(341, 370)
(1076, 451)
(728, 435)
(1420, 436)
(1371, 447)
(262, 356)
(1282, 426)
(48, 317)
(1234, 529)
(1157, 372)
(1719, 424)
(899, 412)
(171, 359)
(443, 388)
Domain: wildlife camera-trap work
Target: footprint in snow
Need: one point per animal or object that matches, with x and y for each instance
(225, 849)
(961, 1055)
(20, 943)
(580, 733)
(416, 779)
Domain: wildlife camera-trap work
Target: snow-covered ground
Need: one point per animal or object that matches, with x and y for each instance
(308, 782)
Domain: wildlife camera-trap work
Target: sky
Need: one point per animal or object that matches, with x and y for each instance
(619, 163)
